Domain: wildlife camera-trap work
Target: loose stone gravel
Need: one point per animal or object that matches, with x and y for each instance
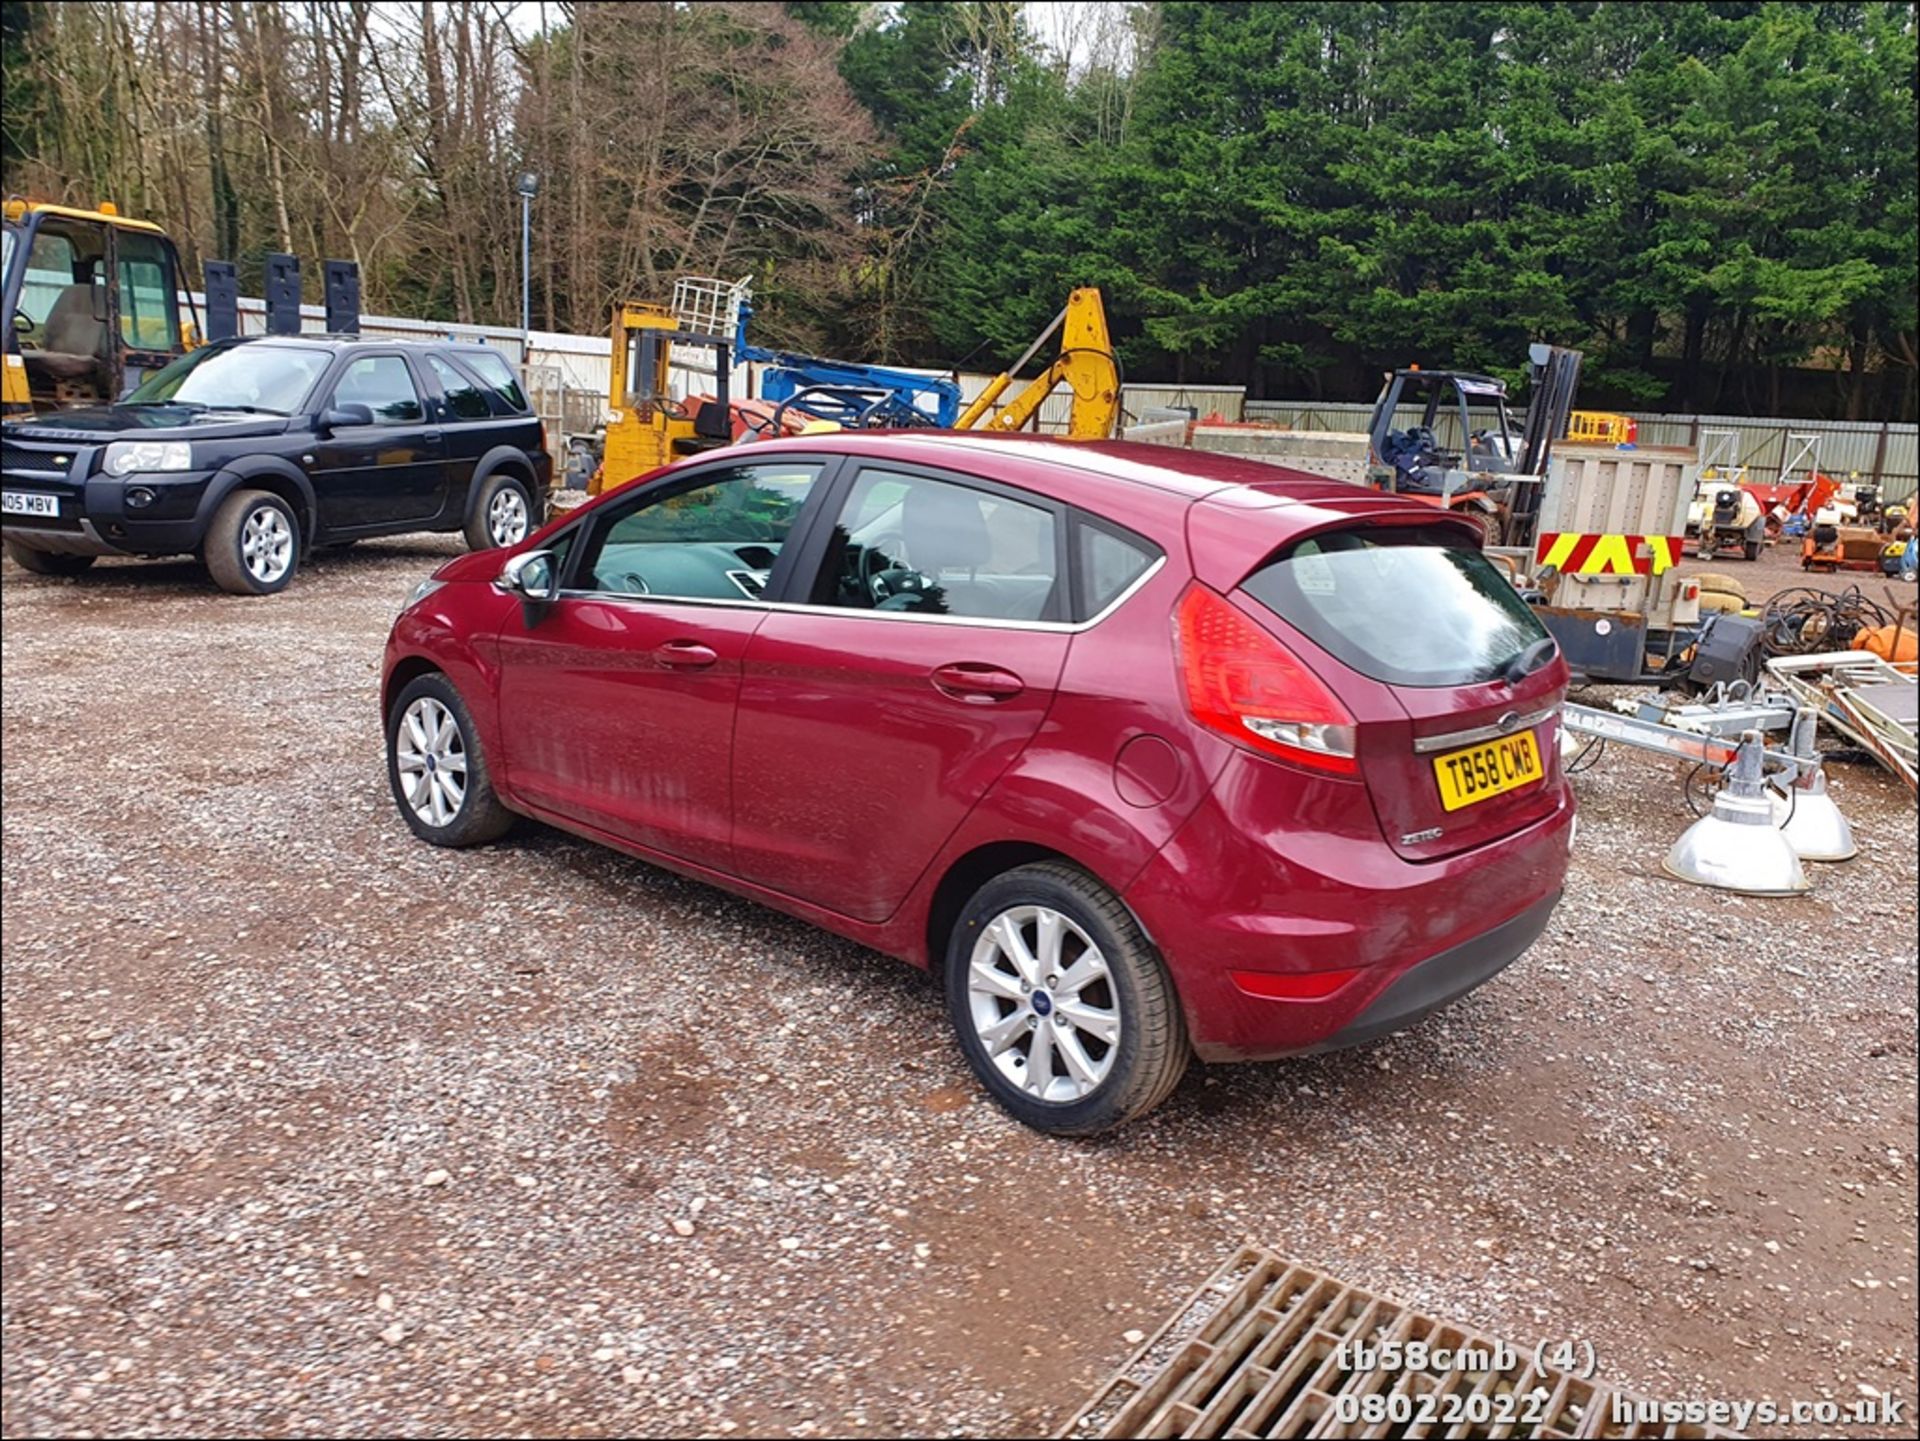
(309, 1127)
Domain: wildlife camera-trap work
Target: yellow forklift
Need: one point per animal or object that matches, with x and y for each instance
(90, 305)
(646, 426)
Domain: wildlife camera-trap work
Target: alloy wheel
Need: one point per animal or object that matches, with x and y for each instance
(266, 544)
(507, 517)
(431, 755)
(1043, 1003)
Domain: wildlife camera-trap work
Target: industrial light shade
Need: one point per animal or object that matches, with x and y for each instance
(1737, 847)
(1813, 825)
(1806, 814)
(527, 186)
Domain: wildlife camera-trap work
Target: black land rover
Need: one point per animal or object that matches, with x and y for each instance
(249, 452)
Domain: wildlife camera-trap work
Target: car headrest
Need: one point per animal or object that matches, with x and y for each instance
(944, 528)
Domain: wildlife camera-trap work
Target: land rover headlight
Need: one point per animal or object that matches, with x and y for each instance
(129, 456)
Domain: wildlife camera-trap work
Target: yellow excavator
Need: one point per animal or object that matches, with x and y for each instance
(89, 300)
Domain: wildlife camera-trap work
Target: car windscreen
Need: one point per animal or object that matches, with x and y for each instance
(1409, 605)
(271, 378)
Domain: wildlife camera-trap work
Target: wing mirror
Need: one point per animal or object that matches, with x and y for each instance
(534, 577)
(352, 413)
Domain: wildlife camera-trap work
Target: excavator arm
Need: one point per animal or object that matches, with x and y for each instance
(1086, 363)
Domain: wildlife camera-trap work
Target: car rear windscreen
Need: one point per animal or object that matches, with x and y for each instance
(1410, 605)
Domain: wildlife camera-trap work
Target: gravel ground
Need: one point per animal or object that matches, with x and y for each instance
(312, 1128)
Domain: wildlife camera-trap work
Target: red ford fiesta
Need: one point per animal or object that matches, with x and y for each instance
(1150, 753)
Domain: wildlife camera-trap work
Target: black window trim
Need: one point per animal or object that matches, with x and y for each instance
(1156, 556)
(488, 397)
(486, 387)
(349, 358)
(806, 543)
(1057, 614)
(678, 483)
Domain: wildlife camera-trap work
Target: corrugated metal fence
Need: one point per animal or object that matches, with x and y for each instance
(1851, 451)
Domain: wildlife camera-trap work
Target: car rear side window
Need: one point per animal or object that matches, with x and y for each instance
(1409, 605)
(1109, 563)
(494, 372)
(464, 399)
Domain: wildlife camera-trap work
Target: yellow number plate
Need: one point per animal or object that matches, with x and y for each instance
(1481, 772)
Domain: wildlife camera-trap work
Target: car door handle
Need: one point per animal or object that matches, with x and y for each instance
(686, 655)
(977, 683)
(432, 435)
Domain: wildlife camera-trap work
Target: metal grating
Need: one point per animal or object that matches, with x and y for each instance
(1255, 1352)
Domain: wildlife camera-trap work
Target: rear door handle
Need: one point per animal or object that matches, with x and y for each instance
(685, 655)
(432, 435)
(977, 683)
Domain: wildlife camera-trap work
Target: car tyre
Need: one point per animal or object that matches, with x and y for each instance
(502, 514)
(1751, 550)
(47, 562)
(1122, 1015)
(253, 545)
(437, 770)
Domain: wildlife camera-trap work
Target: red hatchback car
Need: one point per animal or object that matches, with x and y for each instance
(1151, 753)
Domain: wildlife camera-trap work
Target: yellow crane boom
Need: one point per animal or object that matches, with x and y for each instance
(1086, 363)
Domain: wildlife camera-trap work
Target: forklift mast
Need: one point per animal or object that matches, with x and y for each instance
(1554, 371)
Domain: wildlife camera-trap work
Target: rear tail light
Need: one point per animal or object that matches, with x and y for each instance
(1246, 685)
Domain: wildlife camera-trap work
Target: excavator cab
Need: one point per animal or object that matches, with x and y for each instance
(90, 302)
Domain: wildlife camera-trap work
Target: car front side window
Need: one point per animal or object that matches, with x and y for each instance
(717, 537)
(384, 385)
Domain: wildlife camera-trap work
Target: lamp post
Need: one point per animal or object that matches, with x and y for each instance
(526, 188)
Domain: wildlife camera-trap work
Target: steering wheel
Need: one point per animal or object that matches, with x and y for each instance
(875, 560)
(898, 588)
(633, 583)
(22, 323)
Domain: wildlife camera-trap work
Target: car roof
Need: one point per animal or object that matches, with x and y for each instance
(1176, 472)
(1233, 512)
(340, 340)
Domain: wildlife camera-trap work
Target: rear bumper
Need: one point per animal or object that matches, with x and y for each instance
(1426, 986)
(1300, 901)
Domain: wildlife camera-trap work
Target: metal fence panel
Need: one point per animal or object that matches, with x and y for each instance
(1851, 451)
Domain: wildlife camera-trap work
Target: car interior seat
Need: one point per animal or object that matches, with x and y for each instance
(947, 539)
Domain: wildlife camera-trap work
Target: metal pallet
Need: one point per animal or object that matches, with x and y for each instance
(1255, 1352)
